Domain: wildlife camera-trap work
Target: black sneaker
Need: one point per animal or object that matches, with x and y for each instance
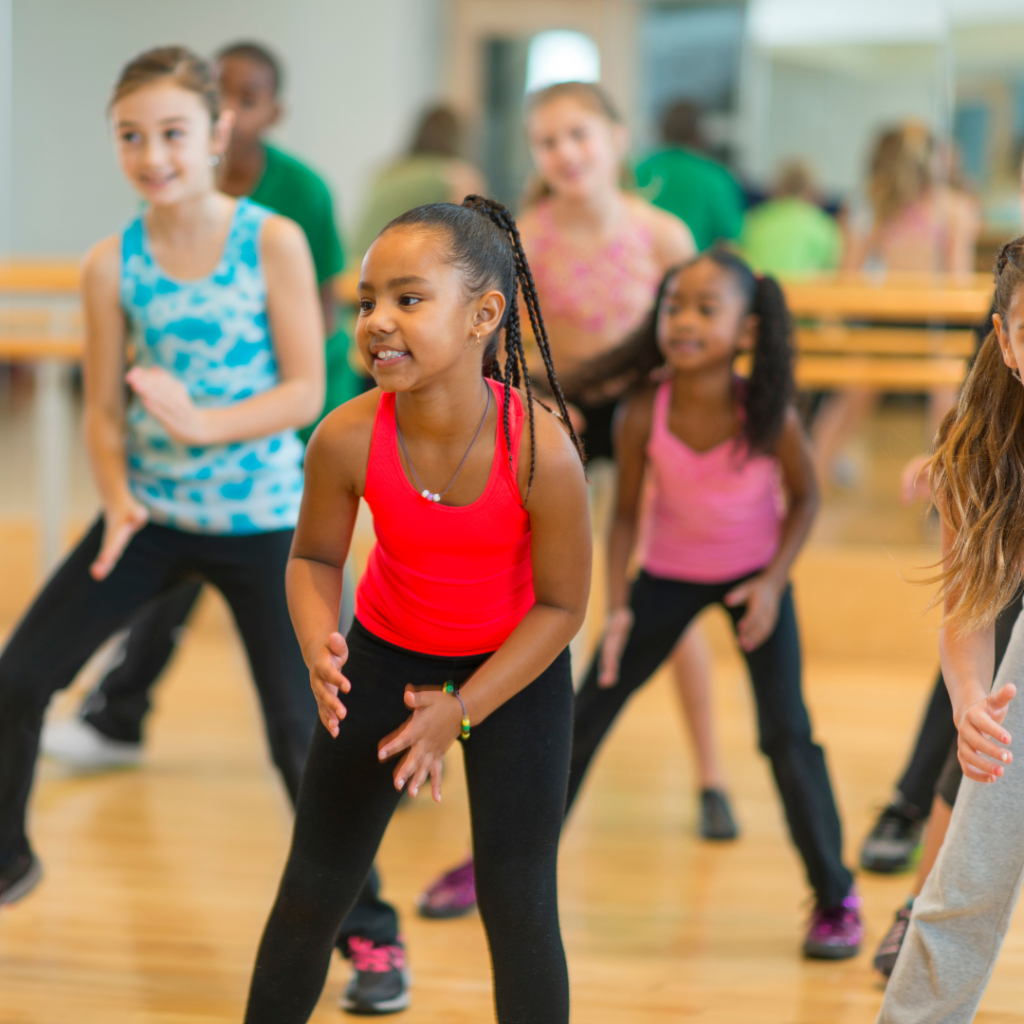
(892, 844)
(19, 877)
(885, 958)
(716, 820)
(380, 980)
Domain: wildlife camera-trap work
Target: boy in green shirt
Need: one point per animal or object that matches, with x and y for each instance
(109, 729)
(790, 234)
(685, 181)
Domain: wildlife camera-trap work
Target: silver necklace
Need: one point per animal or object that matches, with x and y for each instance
(425, 492)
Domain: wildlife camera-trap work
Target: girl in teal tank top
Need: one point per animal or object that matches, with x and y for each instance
(214, 304)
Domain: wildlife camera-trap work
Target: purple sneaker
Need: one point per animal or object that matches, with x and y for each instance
(452, 895)
(835, 933)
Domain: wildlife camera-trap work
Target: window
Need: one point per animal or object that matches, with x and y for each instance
(561, 57)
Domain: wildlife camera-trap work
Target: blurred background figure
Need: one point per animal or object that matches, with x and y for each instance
(908, 222)
(790, 233)
(432, 171)
(684, 179)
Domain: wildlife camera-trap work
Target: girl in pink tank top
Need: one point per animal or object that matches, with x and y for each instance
(719, 454)
(478, 581)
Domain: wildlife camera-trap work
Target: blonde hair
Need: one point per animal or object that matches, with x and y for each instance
(174, 63)
(977, 474)
(901, 169)
(589, 95)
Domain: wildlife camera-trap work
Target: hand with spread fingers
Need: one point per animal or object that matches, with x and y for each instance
(425, 736)
(167, 399)
(982, 743)
(761, 595)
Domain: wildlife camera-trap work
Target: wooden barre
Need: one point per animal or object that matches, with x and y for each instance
(902, 303)
(32, 347)
(886, 341)
(883, 373)
(40, 276)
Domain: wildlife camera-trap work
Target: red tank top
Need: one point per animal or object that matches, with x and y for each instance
(444, 580)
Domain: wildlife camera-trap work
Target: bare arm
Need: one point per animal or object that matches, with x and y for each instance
(104, 417)
(631, 433)
(335, 475)
(761, 593)
(296, 328)
(968, 664)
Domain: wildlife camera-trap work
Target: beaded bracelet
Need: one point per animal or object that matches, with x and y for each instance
(449, 687)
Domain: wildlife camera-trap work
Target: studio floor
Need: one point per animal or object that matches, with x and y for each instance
(158, 879)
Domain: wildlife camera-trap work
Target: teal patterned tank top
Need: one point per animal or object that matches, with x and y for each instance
(213, 335)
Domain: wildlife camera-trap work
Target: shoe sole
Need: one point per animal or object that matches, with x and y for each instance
(831, 952)
(24, 885)
(446, 914)
(396, 1005)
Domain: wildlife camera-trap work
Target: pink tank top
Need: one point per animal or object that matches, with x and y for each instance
(443, 579)
(608, 291)
(714, 516)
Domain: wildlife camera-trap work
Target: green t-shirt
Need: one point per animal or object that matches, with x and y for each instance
(292, 189)
(790, 236)
(696, 189)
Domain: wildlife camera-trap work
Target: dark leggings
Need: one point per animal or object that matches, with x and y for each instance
(662, 610)
(75, 613)
(517, 763)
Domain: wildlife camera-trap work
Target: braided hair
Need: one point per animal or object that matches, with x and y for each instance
(484, 243)
(768, 390)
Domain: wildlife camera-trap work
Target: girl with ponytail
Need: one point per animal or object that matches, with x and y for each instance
(977, 480)
(478, 581)
(716, 448)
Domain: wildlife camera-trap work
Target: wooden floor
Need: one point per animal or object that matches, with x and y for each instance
(158, 880)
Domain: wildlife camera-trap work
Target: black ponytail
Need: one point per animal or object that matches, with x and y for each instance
(770, 387)
(485, 246)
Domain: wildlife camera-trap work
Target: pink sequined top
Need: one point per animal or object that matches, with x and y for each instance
(714, 516)
(608, 291)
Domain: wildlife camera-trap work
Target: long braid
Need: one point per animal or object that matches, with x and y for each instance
(515, 363)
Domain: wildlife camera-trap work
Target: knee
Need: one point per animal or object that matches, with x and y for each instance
(784, 740)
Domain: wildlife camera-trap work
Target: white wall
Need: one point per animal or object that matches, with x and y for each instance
(357, 76)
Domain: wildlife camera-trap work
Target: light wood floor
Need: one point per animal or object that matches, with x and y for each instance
(158, 880)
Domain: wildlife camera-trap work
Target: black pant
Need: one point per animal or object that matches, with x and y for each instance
(517, 764)
(74, 614)
(153, 587)
(938, 734)
(662, 610)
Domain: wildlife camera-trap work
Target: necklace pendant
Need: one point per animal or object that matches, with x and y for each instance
(430, 496)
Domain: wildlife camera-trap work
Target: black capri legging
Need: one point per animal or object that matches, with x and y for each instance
(662, 609)
(74, 614)
(517, 764)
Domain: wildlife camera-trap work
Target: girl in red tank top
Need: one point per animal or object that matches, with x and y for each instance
(477, 582)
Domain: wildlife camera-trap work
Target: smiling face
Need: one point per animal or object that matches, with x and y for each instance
(577, 150)
(416, 320)
(165, 141)
(248, 90)
(703, 320)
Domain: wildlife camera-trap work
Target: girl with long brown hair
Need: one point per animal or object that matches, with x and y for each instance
(977, 478)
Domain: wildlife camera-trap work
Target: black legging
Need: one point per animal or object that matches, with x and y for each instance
(662, 610)
(75, 613)
(517, 764)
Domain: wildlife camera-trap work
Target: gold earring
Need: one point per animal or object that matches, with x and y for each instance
(1016, 373)
(478, 337)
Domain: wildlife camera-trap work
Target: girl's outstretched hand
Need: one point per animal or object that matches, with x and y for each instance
(981, 746)
(620, 625)
(761, 595)
(326, 680)
(167, 400)
(120, 524)
(428, 732)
